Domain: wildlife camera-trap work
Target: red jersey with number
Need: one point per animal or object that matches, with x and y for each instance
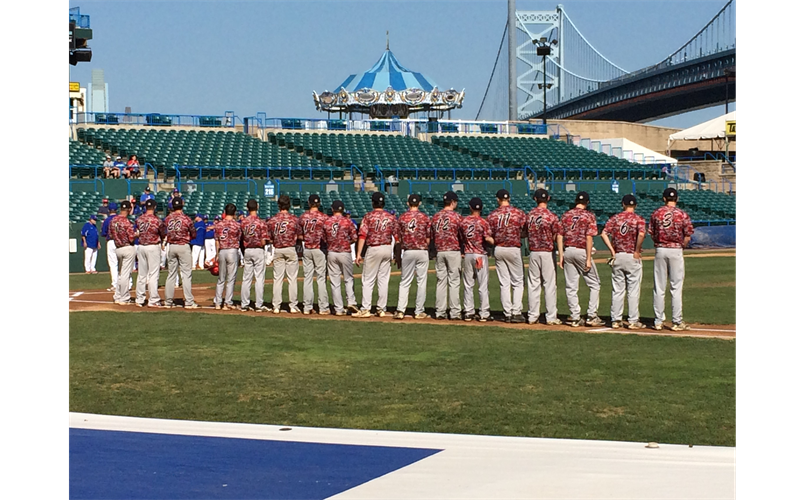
(283, 228)
(669, 226)
(623, 229)
(413, 230)
(179, 229)
(444, 228)
(253, 231)
(506, 224)
(150, 228)
(543, 226)
(340, 233)
(474, 229)
(121, 230)
(577, 224)
(377, 228)
(312, 225)
(227, 234)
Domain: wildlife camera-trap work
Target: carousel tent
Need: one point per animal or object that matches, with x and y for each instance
(387, 72)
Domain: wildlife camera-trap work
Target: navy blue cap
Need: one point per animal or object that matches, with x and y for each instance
(414, 199)
(313, 199)
(629, 200)
(338, 205)
(476, 204)
(150, 203)
(93, 217)
(449, 197)
(377, 196)
(582, 197)
(670, 194)
(541, 195)
(125, 205)
(502, 194)
(205, 217)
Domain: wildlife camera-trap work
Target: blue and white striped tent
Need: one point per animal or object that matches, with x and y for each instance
(388, 89)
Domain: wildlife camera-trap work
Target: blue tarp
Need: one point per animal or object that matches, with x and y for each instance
(713, 237)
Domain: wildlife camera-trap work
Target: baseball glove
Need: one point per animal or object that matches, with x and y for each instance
(213, 268)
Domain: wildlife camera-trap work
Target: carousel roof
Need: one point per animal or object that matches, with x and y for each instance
(387, 72)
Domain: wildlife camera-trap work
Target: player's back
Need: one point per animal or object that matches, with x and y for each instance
(284, 228)
(543, 226)
(669, 226)
(577, 224)
(474, 229)
(340, 233)
(378, 227)
(414, 230)
(312, 224)
(506, 224)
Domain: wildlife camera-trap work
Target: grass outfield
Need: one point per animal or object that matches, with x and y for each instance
(429, 378)
(708, 295)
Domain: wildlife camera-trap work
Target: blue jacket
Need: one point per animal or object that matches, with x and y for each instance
(201, 233)
(90, 232)
(105, 227)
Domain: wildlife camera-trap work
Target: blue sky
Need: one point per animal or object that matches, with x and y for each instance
(207, 57)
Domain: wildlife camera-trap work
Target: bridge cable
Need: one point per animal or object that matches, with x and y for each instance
(505, 29)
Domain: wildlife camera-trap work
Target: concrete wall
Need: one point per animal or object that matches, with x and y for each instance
(650, 136)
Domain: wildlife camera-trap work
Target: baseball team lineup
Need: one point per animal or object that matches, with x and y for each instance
(329, 246)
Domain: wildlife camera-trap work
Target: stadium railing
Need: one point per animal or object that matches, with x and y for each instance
(157, 119)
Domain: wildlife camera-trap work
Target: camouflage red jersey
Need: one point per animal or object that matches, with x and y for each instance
(506, 223)
(543, 226)
(150, 228)
(121, 230)
(413, 230)
(178, 229)
(623, 229)
(253, 231)
(313, 225)
(377, 228)
(473, 231)
(283, 229)
(577, 224)
(444, 229)
(669, 226)
(340, 233)
(227, 234)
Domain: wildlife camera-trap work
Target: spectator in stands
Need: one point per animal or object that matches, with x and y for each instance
(133, 167)
(175, 194)
(104, 209)
(147, 195)
(120, 166)
(109, 170)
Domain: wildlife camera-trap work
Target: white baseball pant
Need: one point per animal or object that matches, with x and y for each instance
(314, 261)
(254, 267)
(179, 259)
(286, 264)
(509, 265)
(448, 280)
(668, 264)
(90, 257)
(125, 256)
(575, 260)
(470, 274)
(111, 260)
(376, 269)
(541, 273)
(227, 269)
(198, 256)
(209, 251)
(148, 274)
(414, 262)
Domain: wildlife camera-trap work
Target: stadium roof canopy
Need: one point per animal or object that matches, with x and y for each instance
(388, 89)
(712, 129)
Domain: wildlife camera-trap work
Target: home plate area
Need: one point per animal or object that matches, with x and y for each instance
(138, 458)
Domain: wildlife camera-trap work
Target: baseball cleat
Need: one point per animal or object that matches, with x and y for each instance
(635, 326)
(484, 319)
(307, 311)
(507, 319)
(263, 309)
(294, 310)
(470, 317)
(532, 321)
(324, 312)
(381, 314)
(679, 327)
(657, 326)
(110, 289)
(139, 304)
(363, 313)
(554, 322)
(157, 305)
(399, 315)
(440, 317)
(244, 309)
(595, 321)
(574, 322)
(518, 319)
(353, 309)
(123, 302)
(193, 306)
(616, 324)
(340, 313)
(276, 310)
(456, 318)
(422, 315)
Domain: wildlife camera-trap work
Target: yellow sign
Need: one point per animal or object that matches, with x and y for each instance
(730, 128)
(75, 87)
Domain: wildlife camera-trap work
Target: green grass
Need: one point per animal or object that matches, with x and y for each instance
(708, 294)
(430, 378)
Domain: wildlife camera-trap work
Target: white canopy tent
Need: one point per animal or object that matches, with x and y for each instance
(712, 129)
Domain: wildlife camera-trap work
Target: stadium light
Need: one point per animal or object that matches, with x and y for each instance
(79, 51)
(544, 50)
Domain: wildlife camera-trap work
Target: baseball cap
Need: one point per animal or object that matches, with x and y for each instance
(450, 196)
(217, 217)
(476, 204)
(414, 199)
(105, 200)
(198, 215)
(240, 212)
(541, 195)
(117, 158)
(629, 200)
(150, 204)
(93, 217)
(502, 194)
(337, 205)
(125, 205)
(109, 157)
(177, 203)
(148, 188)
(313, 199)
(582, 197)
(670, 194)
(205, 217)
(377, 196)
(175, 190)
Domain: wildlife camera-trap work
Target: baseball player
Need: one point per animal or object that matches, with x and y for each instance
(376, 232)
(507, 224)
(340, 234)
(209, 242)
(197, 243)
(312, 223)
(227, 244)
(111, 256)
(150, 229)
(239, 219)
(413, 235)
(575, 245)
(91, 244)
(623, 235)
(474, 233)
(123, 234)
(444, 228)
(254, 235)
(543, 226)
(670, 228)
(178, 231)
(283, 230)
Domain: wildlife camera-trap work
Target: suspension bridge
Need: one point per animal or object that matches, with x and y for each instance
(554, 72)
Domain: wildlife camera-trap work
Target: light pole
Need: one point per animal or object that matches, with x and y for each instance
(544, 50)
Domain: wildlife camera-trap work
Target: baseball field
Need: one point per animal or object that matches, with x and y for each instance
(431, 376)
